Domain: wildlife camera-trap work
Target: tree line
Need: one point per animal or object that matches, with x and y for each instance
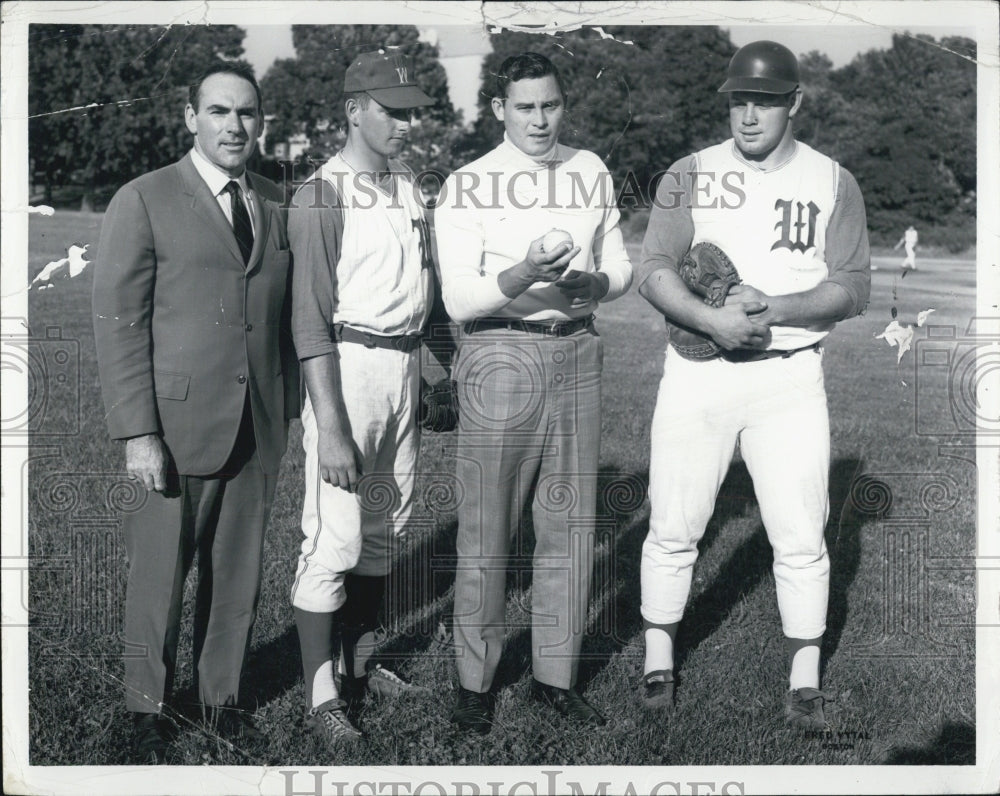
(105, 105)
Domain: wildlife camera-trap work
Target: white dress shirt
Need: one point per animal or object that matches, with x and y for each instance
(217, 180)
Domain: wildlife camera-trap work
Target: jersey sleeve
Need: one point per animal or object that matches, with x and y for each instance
(315, 235)
(610, 256)
(848, 255)
(670, 229)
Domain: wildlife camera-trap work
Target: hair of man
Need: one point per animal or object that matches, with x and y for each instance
(237, 68)
(526, 66)
(362, 98)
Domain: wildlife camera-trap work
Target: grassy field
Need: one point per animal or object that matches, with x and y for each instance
(899, 654)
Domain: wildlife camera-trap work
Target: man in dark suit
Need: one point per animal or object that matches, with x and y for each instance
(191, 320)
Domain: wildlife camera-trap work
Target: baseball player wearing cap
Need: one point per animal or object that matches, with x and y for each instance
(793, 223)
(529, 375)
(362, 293)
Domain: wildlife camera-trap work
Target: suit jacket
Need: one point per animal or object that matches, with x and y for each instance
(183, 329)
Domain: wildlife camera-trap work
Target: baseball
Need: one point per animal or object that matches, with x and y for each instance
(554, 238)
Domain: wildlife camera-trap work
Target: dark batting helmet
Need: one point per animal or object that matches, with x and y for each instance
(764, 66)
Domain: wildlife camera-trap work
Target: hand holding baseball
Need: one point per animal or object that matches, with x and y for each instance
(549, 256)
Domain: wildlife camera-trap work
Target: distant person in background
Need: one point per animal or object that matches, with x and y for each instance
(909, 240)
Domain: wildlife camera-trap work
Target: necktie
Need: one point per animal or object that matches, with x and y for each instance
(241, 220)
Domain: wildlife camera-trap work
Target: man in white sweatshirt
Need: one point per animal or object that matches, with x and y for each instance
(529, 376)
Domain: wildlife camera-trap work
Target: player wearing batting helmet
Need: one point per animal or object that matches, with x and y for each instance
(362, 291)
(793, 223)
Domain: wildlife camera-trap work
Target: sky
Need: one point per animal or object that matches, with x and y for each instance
(461, 47)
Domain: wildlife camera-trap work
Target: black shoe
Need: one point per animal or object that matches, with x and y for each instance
(231, 724)
(150, 738)
(567, 702)
(657, 689)
(474, 711)
(351, 690)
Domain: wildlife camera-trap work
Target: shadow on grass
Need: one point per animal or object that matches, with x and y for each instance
(843, 539)
(620, 499)
(418, 601)
(411, 610)
(414, 605)
(620, 622)
(954, 746)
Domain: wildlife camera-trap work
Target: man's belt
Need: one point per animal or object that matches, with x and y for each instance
(549, 328)
(750, 355)
(395, 342)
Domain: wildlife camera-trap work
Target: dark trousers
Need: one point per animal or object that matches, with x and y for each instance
(221, 518)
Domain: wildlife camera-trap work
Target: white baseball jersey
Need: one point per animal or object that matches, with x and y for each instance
(383, 274)
(373, 274)
(772, 224)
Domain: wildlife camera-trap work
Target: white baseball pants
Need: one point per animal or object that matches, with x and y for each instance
(776, 408)
(358, 532)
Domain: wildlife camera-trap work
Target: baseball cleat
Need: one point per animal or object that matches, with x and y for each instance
(385, 683)
(330, 720)
(804, 708)
(658, 690)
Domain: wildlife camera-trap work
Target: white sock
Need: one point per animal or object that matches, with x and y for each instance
(805, 668)
(324, 689)
(659, 650)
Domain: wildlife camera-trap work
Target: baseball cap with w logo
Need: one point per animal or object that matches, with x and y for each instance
(387, 78)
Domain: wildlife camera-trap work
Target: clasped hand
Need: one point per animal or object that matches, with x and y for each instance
(739, 322)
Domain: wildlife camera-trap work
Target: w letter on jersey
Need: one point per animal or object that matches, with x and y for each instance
(785, 225)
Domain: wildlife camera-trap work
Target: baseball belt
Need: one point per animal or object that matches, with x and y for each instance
(548, 328)
(749, 355)
(394, 342)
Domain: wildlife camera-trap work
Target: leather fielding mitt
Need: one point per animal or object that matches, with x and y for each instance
(709, 273)
(438, 406)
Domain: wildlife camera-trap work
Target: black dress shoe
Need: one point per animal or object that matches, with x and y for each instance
(474, 711)
(567, 702)
(231, 724)
(150, 738)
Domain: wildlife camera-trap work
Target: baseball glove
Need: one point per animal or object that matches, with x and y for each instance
(438, 406)
(708, 272)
